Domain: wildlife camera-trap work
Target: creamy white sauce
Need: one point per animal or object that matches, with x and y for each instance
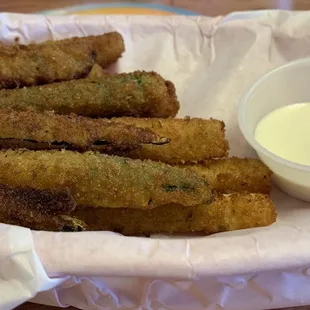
(286, 132)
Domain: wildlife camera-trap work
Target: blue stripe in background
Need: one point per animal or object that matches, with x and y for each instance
(154, 6)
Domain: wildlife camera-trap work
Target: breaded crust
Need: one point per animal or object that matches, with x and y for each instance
(96, 73)
(140, 94)
(192, 140)
(47, 130)
(47, 202)
(235, 175)
(225, 213)
(38, 209)
(108, 47)
(104, 181)
(53, 61)
(235, 212)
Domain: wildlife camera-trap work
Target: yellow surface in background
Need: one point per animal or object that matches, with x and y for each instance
(124, 10)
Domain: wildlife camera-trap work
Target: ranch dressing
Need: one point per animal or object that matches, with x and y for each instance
(286, 132)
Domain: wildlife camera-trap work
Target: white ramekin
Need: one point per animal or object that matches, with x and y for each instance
(282, 86)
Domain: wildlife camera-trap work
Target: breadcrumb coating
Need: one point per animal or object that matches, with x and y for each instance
(104, 181)
(54, 61)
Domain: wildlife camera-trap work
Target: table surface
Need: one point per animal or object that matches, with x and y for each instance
(204, 7)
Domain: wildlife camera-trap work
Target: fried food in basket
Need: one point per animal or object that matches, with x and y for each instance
(104, 181)
(62, 110)
(53, 61)
(192, 140)
(144, 94)
(38, 209)
(234, 174)
(47, 130)
(225, 213)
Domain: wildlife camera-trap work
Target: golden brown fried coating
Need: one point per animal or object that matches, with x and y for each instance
(192, 140)
(144, 94)
(233, 212)
(225, 213)
(104, 181)
(50, 131)
(52, 61)
(108, 47)
(235, 175)
(96, 73)
(38, 209)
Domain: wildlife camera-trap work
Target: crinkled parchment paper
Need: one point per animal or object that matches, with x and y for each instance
(211, 61)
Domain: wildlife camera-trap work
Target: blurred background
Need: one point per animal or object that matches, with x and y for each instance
(163, 7)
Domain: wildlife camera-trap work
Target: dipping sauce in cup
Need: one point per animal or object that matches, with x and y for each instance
(286, 132)
(274, 118)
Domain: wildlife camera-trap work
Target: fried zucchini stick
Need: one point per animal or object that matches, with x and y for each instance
(235, 175)
(52, 61)
(225, 213)
(104, 181)
(50, 131)
(192, 140)
(38, 209)
(144, 94)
